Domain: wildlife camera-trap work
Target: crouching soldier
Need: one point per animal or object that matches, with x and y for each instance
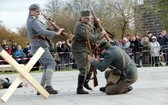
(122, 70)
(5, 83)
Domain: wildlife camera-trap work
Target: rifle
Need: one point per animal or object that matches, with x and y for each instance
(97, 23)
(93, 69)
(56, 28)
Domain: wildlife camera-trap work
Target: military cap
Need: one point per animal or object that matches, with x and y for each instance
(103, 45)
(34, 7)
(86, 13)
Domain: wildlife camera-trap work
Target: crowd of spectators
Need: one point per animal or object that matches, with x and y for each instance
(16, 51)
(61, 51)
(144, 50)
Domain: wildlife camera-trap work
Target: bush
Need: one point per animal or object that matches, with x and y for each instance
(11, 37)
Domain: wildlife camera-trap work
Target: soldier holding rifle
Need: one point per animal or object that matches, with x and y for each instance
(85, 34)
(122, 70)
(38, 34)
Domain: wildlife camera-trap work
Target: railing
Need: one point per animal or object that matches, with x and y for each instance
(63, 60)
(155, 56)
(143, 58)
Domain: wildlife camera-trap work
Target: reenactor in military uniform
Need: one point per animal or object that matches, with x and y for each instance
(83, 32)
(5, 83)
(122, 70)
(39, 36)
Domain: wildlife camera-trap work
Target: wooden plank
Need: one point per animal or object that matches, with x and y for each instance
(23, 71)
(18, 80)
(8, 67)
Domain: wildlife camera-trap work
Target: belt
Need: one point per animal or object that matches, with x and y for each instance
(39, 37)
(43, 38)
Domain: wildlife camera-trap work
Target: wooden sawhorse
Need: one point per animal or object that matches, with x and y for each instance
(23, 74)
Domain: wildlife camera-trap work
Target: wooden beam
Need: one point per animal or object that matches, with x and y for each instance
(23, 71)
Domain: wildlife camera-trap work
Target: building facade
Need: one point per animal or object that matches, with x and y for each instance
(150, 20)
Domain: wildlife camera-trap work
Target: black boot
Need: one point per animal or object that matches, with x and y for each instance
(80, 89)
(102, 89)
(6, 85)
(20, 85)
(50, 90)
(129, 88)
(86, 85)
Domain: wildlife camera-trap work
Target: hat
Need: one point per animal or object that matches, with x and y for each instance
(103, 45)
(86, 13)
(34, 7)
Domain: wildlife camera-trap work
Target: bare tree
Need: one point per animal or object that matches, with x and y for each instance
(22, 31)
(117, 16)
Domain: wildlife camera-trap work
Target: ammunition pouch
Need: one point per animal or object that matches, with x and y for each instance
(112, 79)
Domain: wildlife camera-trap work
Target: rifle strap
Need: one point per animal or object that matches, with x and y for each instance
(88, 47)
(91, 70)
(123, 59)
(88, 42)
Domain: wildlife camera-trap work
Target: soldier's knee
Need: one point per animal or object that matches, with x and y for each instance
(111, 92)
(107, 73)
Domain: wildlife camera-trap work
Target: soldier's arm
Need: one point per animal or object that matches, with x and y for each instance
(105, 63)
(41, 30)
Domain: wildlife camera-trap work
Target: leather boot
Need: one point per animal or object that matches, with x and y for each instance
(20, 85)
(50, 90)
(86, 84)
(129, 88)
(80, 89)
(6, 85)
(102, 89)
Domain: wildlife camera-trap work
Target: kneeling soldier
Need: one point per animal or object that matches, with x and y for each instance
(122, 73)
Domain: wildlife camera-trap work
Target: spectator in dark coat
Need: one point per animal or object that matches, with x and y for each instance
(163, 41)
(136, 47)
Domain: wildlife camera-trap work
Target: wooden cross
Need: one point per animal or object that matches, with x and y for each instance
(23, 74)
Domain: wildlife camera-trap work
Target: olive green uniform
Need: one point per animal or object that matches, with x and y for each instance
(127, 75)
(80, 46)
(82, 32)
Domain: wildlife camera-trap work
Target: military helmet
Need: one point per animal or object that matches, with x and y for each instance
(103, 45)
(34, 7)
(86, 13)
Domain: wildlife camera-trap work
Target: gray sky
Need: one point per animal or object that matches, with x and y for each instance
(13, 13)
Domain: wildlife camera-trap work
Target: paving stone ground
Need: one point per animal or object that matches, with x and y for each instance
(151, 88)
